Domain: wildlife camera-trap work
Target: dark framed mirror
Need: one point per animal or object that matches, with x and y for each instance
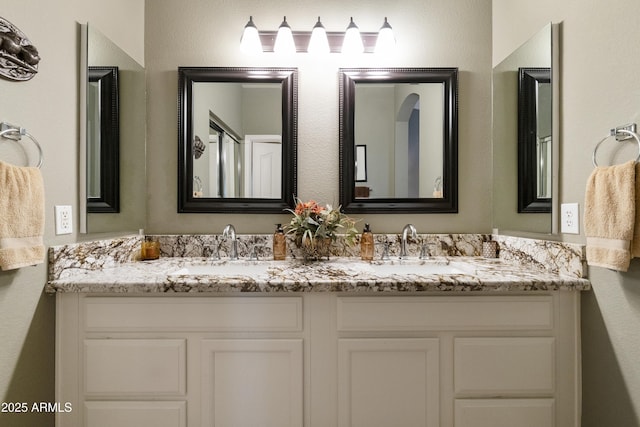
(525, 176)
(237, 139)
(534, 140)
(103, 140)
(107, 72)
(408, 120)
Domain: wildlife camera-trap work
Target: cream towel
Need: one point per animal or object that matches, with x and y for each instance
(21, 216)
(609, 215)
(635, 244)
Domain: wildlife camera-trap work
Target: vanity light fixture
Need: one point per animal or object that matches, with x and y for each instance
(318, 41)
(386, 41)
(250, 41)
(318, 44)
(284, 40)
(352, 43)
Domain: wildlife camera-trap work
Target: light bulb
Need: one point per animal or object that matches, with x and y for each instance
(352, 43)
(250, 41)
(284, 40)
(318, 44)
(386, 42)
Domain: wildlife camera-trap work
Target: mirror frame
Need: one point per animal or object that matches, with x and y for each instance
(288, 77)
(528, 200)
(109, 199)
(348, 78)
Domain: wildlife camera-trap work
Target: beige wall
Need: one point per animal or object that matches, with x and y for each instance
(47, 106)
(600, 89)
(434, 33)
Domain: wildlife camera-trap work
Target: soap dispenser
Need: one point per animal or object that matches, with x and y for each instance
(149, 247)
(366, 244)
(279, 244)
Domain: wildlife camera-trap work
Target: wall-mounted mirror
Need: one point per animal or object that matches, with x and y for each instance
(112, 177)
(406, 121)
(103, 140)
(534, 140)
(237, 139)
(525, 137)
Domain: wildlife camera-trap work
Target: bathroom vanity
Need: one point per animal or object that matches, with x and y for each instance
(449, 341)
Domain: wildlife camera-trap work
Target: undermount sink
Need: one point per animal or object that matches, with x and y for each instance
(421, 267)
(225, 269)
(378, 268)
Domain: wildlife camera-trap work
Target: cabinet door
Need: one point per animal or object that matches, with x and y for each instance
(388, 382)
(252, 382)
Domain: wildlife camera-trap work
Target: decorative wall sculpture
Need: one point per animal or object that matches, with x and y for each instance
(18, 56)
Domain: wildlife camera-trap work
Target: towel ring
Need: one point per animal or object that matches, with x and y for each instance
(22, 131)
(615, 132)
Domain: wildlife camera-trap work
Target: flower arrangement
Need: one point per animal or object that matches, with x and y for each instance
(312, 223)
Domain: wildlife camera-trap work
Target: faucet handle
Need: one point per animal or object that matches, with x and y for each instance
(428, 250)
(424, 252)
(215, 254)
(385, 251)
(253, 252)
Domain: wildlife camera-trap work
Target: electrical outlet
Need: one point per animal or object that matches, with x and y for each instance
(64, 220)
(570, 218)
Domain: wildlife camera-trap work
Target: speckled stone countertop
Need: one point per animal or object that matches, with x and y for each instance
(84, 272)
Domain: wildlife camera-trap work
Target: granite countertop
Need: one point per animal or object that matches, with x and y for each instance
(339, 274)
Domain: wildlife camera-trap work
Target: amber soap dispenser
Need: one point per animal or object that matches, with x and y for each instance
(149, 248)
(366, 244)
(279, 244)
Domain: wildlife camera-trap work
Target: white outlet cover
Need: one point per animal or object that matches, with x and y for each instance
(64, 219)
(570, 218)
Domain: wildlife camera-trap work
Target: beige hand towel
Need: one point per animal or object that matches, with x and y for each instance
(609, 215)
(21, 216)
(635, 243)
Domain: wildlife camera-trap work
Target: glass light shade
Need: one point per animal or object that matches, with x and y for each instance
(250, 41)
(284, 40)
(352, 43)
(386, 42)
(318, 44)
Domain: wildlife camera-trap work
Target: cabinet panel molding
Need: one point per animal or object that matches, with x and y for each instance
(505, 366)
(504, 413)
(135, 414)
(252, 382)
(221, 314)
(128, 367)
(388, 382)
(445, 313)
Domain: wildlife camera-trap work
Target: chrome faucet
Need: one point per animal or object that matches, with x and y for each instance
(409, 228)
(229, 232)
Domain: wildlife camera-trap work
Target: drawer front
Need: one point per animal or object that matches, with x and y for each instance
(504, 366)
(445, 313)
(135, 414)
(505, 413)
(219, 314)
(135, 367)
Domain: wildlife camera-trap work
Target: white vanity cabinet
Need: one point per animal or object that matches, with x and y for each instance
(475, 361)
(177, 361)
(319, 360)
